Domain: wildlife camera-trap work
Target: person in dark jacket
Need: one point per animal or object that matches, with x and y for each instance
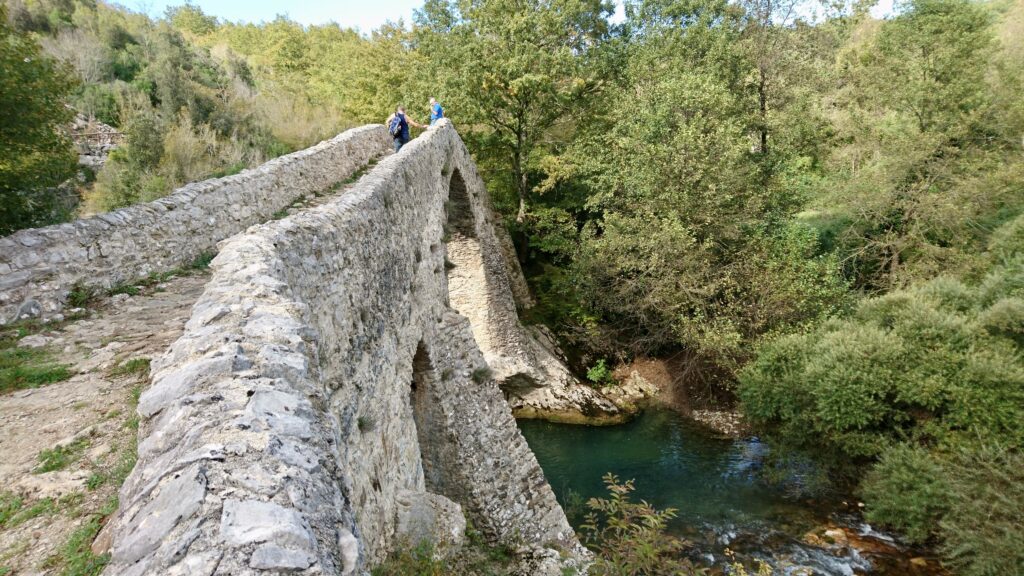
(398, 126)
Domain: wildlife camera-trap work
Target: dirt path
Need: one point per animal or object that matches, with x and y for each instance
(67, 446)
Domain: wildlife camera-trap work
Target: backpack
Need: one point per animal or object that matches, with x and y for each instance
(395, 128)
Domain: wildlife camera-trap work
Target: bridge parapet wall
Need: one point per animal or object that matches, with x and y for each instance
(39, 267)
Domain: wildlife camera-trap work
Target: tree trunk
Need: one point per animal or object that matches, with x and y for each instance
(762, 96)
(519, 173)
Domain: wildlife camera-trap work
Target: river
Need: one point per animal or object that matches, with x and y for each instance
(721, 500)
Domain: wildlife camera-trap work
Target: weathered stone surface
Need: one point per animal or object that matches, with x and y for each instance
(348, 549)
(525, 360)
(324, 374)
(175, 501)
(34, 341)
(272, 557)
(426, 517)
(170, 386)
(128, 244)
(29, 309)
(252, 521)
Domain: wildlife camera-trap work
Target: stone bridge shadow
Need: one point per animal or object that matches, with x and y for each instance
(340, 390)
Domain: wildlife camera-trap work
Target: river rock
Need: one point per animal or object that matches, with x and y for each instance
(837, 536)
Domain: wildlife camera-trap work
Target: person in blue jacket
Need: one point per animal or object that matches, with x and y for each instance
(398, 126)
(436, 112)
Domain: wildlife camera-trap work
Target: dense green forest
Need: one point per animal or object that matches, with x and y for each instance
(822, 215)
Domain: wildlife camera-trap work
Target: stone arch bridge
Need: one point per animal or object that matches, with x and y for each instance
(343, 386)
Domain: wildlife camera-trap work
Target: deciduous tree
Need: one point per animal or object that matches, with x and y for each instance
(35, 154)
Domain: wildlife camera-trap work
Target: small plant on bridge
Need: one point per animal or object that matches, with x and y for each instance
(481, 374)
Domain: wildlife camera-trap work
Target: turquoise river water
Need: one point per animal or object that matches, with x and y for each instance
(715, 486)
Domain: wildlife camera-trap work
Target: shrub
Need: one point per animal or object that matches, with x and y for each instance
(600, 374)
(908, 491)
(128, 175)
(655, 286)
(151, 164)
(629, 537)
(982, 525)
(970, 498)
(100, 102)
(190, 152)
(83, 51)
(202, 261)
(921, 388)
(906, 366)
(294, 122)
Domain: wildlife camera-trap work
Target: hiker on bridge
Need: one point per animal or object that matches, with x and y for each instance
(436, 112)
(398, 126)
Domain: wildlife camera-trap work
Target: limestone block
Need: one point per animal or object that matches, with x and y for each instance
(349, 548)
(252, 521)
(281, 412)
(179, 498)
(432, 518)
(172, 385)
(273, 557)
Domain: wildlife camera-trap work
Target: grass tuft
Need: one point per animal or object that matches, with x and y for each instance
(76, 558)
(81, 296)
(365, 423)
(138, 367)
(126, 288)
(10, 504)
(60, 457)
(481, 375)
(28, 367)
(15, 511)
(201, 262)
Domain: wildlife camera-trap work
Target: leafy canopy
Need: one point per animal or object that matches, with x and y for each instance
(34, 152)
